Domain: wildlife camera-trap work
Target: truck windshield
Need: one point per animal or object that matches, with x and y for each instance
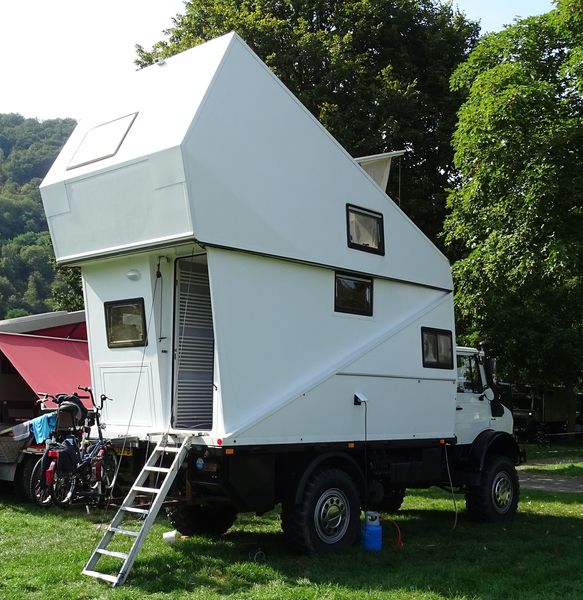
(468, 375)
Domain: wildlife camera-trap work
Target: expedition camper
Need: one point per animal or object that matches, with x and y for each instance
(251, 290)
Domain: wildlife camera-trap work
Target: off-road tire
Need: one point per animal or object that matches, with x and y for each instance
(495, 500)
(39, 497)
(211, 519)
(392, 500)
(327, 518)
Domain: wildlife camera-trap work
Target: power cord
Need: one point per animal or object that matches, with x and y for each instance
(358, 401)
(451, 487)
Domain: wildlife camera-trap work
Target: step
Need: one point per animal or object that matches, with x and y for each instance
(113, 553)
(123, 531)
(133, 509)
(157, 469)
(98, 575)
(146, 490)
(175, 449)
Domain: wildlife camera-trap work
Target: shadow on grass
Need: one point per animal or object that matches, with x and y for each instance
(536, 556)
(474, 561)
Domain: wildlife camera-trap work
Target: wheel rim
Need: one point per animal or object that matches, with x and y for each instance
(332, 516)
(502, 492)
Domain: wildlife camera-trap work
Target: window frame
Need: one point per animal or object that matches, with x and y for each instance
(438, 364)
(107, 306)
(369, 213)
(353, 277)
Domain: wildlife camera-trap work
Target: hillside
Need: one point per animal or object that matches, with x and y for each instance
(29, 282)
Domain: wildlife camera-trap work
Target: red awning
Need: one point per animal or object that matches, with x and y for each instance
(47, 364)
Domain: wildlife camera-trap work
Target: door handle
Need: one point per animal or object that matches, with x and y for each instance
(459, 408)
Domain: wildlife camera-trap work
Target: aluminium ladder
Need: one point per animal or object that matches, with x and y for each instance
(148, 514)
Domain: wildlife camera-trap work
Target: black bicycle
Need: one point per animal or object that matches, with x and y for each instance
(74, 468)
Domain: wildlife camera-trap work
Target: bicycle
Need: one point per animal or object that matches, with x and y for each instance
(75, 468)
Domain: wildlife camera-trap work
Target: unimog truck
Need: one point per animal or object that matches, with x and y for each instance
(250, 287)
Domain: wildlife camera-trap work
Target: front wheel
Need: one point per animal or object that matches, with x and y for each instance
(328, 515)
(108, 470)
(496, 498)
(40, 494)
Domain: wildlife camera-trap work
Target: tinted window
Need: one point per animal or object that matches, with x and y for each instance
(437, 348)
(353, 295)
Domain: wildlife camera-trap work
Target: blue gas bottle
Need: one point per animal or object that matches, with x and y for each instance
(372, 532)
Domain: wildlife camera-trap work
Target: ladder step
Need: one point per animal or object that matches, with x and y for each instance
(121, 555)
(124, 531)
(175, 449)
(98, 575)
(145, 490)
(149, 514)
(133, 509)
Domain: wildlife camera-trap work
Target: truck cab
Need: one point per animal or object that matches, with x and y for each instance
(478, 407)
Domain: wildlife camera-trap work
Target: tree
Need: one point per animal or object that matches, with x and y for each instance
(517, 212)
(27, 270)
(374, 72)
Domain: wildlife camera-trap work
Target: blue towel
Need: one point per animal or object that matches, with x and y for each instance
(42, 426)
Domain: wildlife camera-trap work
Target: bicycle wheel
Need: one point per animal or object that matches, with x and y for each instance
(108, 470)
(63, 490)
(39, 494)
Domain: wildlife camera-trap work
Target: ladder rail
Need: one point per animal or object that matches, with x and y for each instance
(159, 495)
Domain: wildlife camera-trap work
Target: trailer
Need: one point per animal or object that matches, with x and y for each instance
(251, 289)
(38, 353)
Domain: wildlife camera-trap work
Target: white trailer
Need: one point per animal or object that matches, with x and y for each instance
(247, 283)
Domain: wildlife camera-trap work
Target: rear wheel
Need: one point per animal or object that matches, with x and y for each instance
(496, 498)
(64, 485)
(328, 515)
(39, 493)
(211, 519)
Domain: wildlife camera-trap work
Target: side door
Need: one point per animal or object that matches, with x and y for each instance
(472, 409)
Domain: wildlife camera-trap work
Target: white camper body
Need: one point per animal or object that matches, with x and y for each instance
(219, 166)
(248, 285)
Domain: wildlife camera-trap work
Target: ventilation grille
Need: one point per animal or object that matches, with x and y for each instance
(195, 349)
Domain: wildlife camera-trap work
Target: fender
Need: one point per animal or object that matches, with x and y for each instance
(337, 459)
(499, 442)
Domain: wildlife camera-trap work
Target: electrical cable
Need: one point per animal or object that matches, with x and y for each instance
(399, 538)
(365, 455)
(451, 487)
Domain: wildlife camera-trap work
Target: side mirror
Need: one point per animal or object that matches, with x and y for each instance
(488, 394)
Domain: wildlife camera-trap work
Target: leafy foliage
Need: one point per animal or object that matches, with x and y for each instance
(517, 213)
(27, 268)
(374, 72)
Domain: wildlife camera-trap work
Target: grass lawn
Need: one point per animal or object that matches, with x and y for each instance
(556, 451)
(572, 469)
(539, 556)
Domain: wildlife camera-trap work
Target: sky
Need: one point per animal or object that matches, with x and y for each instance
(56, 52)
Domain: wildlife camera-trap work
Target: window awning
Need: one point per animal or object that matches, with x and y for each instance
(48, 364)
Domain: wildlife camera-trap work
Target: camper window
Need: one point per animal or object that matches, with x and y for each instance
(353, 295)
(125, 321)
(437, 348)
(365, 230)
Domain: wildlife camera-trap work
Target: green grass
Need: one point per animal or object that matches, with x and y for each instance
(539, 556)
(556, 470)
(556, 451)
